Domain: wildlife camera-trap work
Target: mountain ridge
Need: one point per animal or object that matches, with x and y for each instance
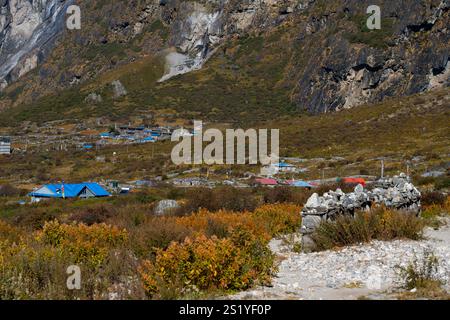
(278, 55)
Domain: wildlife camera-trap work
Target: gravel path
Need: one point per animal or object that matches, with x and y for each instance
(365, 270)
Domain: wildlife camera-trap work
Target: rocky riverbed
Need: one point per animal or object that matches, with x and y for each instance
(366, 270)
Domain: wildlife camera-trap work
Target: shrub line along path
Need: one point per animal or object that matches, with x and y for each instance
(351, 272)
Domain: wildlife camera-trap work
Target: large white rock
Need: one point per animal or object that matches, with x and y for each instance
(359, 189)
(165, 206)
(313, 201)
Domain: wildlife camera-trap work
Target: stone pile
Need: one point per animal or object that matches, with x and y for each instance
(397, 193)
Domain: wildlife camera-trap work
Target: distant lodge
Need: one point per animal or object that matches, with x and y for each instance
(5, 145)
(139, 134)
(279, 167)
(67, 191)
(271, 182)
(88, 190)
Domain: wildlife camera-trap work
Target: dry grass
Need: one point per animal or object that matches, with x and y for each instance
(420, 281)
(381, 224)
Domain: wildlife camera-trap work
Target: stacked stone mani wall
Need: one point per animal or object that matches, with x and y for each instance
(396, 193)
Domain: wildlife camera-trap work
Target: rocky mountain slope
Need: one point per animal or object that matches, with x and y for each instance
(224, 59)
(27, 31)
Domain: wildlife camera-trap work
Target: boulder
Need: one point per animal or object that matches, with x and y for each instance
(165, 206)
(313, 201)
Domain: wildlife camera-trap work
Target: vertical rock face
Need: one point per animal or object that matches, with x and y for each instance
(360, 67)
(27, 28)
(199, 27)
(195, 32)
(346, 66)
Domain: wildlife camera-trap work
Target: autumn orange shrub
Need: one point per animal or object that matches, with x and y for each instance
(279, 218)
(88, 244)
(35, 266)
(201, 221)
(447, 204)
(156, 233)
(267, 221)
(228, 251)
(174, 256)
(9, 233)
(206, 264)
(10, 242)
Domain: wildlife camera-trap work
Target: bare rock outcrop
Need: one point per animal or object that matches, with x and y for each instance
(27, 31)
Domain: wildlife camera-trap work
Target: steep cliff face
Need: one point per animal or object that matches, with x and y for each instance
(410, 54)
(198, 28)
(313, 55)
(346, 64)
(27, 28)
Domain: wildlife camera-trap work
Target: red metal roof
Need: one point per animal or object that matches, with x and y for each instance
(355, 181)
(268, 182)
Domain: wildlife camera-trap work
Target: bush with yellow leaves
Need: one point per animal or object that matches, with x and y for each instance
(279, 219)
(266, 221)
(227, 251)
(34, 266)
(208, 264)
(86, 244)
(173, 256)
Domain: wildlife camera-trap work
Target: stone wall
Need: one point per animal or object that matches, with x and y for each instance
(396, 193)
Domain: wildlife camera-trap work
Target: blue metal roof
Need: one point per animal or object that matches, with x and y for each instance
(146, 139)
(284, 165)
(302, 184)
(96, 189)
(70, 190)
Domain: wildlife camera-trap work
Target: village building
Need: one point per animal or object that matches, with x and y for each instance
(190, 182)
(300, 184)
(62, 191)
(354, 181)
(266, 182)
(5, 145)
(276, 168)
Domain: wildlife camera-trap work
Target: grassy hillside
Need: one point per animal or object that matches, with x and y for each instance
(398, 129)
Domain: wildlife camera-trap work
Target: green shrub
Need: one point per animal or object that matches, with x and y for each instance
(373, 38)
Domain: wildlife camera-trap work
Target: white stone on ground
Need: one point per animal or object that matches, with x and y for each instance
(354, 271)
